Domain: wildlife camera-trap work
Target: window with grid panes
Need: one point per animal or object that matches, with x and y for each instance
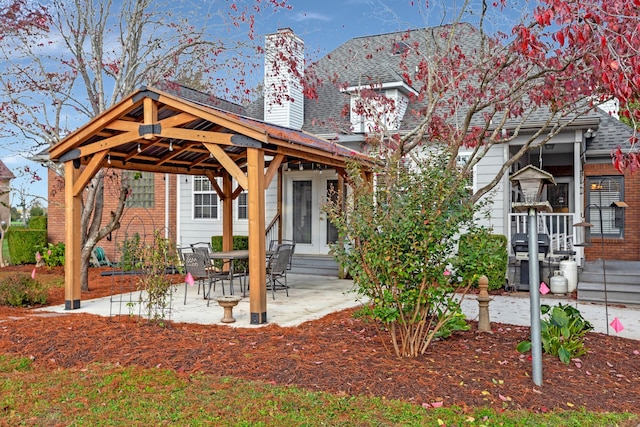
(243, 207)
(205, 199)
(602, 192)
(143, 189)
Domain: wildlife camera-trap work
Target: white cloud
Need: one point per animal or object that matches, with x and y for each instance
(310, 16)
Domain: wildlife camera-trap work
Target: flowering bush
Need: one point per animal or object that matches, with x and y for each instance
(52, 255)
(399, 241)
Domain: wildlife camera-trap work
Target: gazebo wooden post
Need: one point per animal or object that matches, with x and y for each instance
(72, 283)
(227, 213)
(257, 264)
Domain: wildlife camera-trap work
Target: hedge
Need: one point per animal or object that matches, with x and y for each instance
(239, 243)
(23, 244)
(483, 253)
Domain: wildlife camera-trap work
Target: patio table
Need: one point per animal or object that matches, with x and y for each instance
(231, 256)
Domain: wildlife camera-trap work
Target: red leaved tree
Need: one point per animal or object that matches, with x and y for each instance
(65, 63)
(477, 82)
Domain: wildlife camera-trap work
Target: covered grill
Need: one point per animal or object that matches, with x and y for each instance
(520, 243)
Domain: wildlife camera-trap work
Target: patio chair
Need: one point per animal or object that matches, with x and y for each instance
(277, 269)
(273, 244)
(197, 264)
(218, 268)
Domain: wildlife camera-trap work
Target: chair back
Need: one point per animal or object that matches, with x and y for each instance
(194, 263)
(273, 245)
(280, 259)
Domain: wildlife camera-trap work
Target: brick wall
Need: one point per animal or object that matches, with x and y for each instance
(627, 248)
(134, 220)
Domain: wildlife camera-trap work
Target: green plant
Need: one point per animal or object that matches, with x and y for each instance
(37, 223)
(131, 253)
(51, 254)
(155, 282)
(239, 243)
(482, 253)
(23, 243)
(562, 332)
(20, 290)
(399, 242)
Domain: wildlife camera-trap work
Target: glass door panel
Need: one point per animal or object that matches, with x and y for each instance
(302, 211)
(332, 196)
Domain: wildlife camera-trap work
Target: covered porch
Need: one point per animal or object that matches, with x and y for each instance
(158, 132)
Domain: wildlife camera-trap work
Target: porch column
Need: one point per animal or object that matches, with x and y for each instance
(257, 264)
(72, 250)
(227, 213)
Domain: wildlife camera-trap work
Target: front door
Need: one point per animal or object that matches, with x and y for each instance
(305, 194)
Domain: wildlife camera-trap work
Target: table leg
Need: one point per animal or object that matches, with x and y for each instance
(231, 273)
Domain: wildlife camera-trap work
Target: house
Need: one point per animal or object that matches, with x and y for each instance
(5, 193)
(578, 157)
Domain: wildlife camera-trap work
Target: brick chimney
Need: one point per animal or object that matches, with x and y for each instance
(283, 71)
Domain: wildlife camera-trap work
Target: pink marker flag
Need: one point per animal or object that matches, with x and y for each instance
(616, 325)
(33, 273)
(544, 289)
(189, 279)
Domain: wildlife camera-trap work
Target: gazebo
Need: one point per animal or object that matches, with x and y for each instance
(156, 131)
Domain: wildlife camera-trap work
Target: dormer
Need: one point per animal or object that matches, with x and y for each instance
(380, 106)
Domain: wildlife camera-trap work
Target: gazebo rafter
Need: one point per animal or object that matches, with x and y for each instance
(154, 131)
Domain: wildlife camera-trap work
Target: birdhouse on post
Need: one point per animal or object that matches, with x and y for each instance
(532, 181)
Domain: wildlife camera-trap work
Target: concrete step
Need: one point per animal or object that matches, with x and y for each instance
(320, 265)
(612, 277)
(619, 293)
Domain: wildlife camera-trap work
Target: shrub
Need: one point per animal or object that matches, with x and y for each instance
(52, 254)
(399, 242)
(24, 243)
(562, 332)
(131, 253)
(37, 223)
(482, 253)
(239, 243)
(20, 290)
(155, 281)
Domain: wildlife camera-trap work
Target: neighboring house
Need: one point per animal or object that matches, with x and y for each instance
(578, 158)
(5, 192)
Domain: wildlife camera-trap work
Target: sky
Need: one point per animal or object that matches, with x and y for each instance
(322, 24)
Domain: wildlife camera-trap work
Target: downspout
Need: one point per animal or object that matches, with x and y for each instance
(166, 205)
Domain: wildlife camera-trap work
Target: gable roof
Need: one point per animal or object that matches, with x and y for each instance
(5, 172)
(129, 136)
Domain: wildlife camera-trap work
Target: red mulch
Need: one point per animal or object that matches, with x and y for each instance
(338, 354)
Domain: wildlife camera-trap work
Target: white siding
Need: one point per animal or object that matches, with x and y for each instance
(498, 197)
(192, 230)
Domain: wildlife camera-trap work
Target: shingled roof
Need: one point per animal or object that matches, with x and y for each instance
(610, 134)
(5, 172)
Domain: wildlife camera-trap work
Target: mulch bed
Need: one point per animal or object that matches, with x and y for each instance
(338, 354)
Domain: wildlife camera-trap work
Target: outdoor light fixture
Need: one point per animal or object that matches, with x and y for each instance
(531, 181)
(171, 146)
(139, 149)
(109, 159)
(300, 167)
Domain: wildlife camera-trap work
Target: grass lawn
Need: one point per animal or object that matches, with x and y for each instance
(107, 395)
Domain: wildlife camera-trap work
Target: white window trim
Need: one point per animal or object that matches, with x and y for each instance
(193, 203)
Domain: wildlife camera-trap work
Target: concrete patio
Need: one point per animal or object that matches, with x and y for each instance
(312, 297)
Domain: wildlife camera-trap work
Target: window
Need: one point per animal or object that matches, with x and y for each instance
(205, 199)
(461, 160)
(243, 211)
(142, 189)
(602, 192)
